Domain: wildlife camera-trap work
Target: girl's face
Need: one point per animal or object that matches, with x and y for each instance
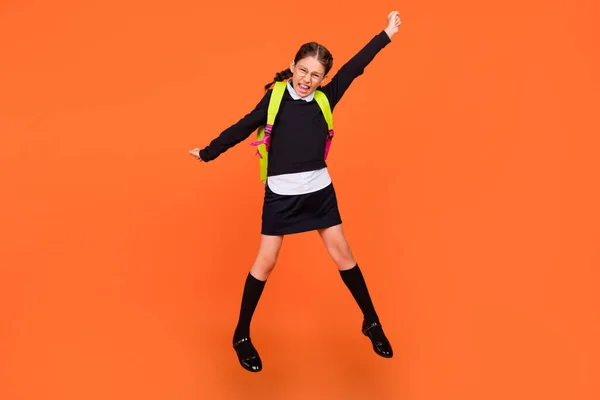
(309, 73)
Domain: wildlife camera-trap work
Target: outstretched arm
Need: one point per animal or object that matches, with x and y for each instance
(235, 133)
(355, 67)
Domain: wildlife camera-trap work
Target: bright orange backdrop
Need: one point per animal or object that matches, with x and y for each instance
(466, 164)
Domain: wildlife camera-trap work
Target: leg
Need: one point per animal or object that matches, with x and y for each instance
(265, 261)
(337, 247)
(255, 282)
(339, 251)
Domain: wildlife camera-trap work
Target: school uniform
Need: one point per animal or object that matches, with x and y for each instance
(299, 194)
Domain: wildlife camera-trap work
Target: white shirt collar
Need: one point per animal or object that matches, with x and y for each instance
(295, 95)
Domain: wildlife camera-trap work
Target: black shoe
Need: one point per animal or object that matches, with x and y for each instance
(381, 345)
(247, 355)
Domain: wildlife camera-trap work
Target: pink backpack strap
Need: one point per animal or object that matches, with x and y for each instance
(266, 140)
(328, 142)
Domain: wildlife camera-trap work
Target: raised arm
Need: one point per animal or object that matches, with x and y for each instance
(355, 67)
(235, 133)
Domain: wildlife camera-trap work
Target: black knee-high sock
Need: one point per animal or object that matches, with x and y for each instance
(354, 280)
(253, 289)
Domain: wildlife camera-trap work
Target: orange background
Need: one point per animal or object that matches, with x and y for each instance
(123, 259)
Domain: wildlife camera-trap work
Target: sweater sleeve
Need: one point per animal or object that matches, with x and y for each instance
(239, 131)
(355, 67)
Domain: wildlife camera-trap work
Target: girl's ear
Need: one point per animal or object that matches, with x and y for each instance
(292, 66)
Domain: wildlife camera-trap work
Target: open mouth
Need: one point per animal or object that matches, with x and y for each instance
(303, 88)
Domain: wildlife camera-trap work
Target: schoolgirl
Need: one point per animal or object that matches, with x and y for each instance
(299, 194)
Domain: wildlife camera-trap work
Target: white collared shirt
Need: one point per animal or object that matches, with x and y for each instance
(299, 182)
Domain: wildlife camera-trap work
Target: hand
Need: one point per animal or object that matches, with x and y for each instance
(393, 23)
(196, 153)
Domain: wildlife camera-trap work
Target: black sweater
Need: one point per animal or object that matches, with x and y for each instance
(300, 130)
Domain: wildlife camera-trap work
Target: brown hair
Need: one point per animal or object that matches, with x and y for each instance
(311, 49)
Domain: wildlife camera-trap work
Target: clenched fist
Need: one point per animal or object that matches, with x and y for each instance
(393, 23)
(195, 152)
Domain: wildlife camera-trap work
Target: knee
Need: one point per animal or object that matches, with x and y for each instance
(342, 256)
(264, 265)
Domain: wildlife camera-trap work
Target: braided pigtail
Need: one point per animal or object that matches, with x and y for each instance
(279, 77)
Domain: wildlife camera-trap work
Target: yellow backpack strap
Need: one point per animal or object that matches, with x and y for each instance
(263, 138)
(274, 103)
(323, 102)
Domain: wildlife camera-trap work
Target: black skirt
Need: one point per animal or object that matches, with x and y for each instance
(288, 214)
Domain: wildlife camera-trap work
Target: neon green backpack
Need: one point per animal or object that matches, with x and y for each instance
(263, 137)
